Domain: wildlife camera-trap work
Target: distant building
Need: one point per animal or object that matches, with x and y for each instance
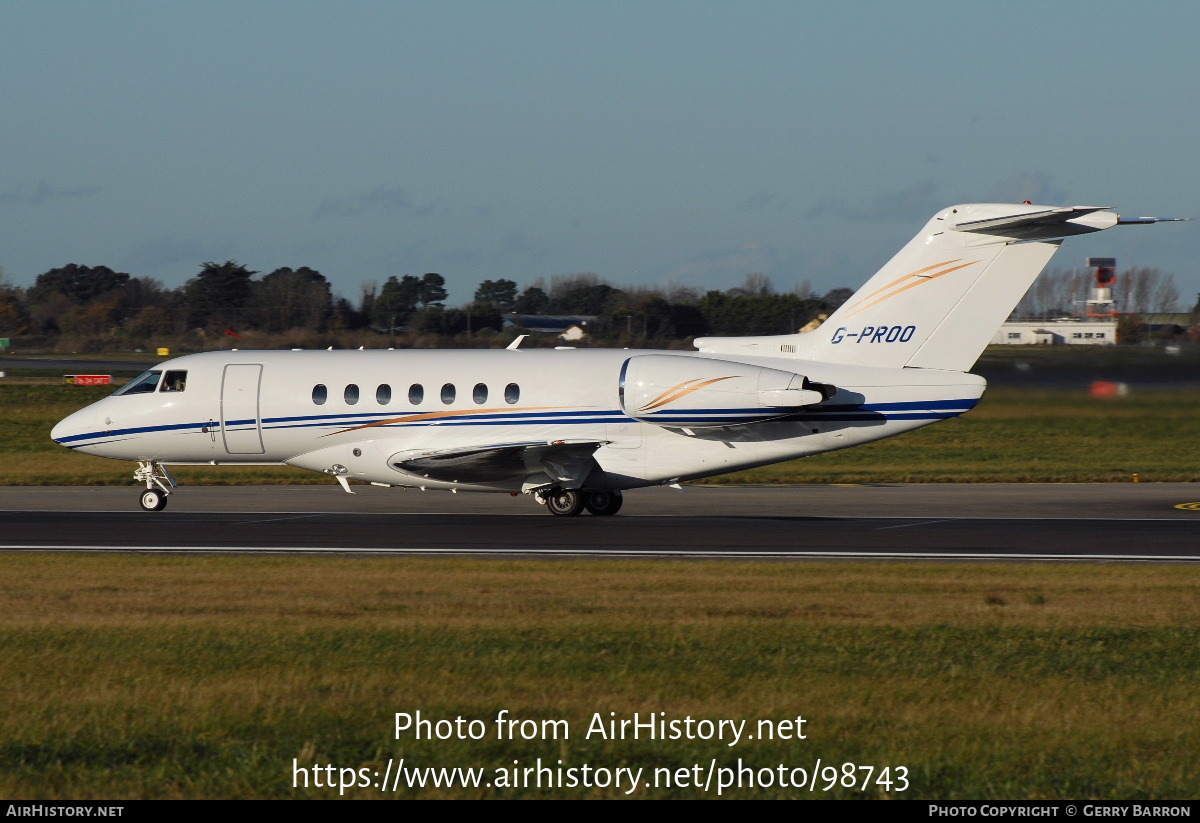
(815, 323)
(1067, 332)
(548, 323)
(1165, 325)
(1096, 327)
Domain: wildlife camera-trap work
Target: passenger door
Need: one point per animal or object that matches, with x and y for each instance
(240, 423)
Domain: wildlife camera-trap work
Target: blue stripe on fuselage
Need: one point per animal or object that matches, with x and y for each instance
(916, 410)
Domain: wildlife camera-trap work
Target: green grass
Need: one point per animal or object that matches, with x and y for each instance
(1024, 436)
(204, 676)
(1014, 435)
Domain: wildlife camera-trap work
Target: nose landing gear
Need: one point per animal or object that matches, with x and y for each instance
(159, 484)
(153, 500)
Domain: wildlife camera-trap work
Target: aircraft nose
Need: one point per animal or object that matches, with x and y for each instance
(70, 425)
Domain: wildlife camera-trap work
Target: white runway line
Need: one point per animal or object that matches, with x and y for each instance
(273, 519)
(540, 513)
(610, 553)
(910, 525)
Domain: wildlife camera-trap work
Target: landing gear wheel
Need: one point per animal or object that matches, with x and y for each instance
(603, 503)
(153, 500)
(564, 502)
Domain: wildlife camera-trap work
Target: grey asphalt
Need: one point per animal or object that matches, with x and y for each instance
(1126, 522)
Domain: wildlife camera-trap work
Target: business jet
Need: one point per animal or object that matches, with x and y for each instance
(574, 428)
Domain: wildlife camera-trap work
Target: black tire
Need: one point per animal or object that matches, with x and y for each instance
(603, 503)
(153, 500)
(564, 502)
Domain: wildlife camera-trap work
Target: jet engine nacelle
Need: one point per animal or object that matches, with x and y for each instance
(698, 392)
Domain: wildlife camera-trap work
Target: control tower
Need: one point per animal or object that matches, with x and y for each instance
(1101, 304)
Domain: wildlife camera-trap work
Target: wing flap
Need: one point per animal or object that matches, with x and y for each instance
(564, 461)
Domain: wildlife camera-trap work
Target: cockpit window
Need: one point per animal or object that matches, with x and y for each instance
(142, 384)
(174, 381)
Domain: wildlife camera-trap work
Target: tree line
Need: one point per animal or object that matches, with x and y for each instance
(1063, 292)
(95, 307)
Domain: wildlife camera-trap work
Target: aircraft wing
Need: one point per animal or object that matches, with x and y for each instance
(566, 462)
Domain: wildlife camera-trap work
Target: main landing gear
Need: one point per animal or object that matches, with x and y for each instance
(570, 502)
(159, 483)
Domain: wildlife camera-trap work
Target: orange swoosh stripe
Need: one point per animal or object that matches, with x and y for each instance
(441, 415)
(674, 388)
(901, 279)
(682, 393)
(909, 286)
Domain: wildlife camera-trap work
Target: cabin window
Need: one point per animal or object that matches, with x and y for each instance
(142, 384)
(448, 393)
(320, 394)
(383, 394)
(479, 393)
(512, 393)
(174, 381)
(351, 394)
(416, 393)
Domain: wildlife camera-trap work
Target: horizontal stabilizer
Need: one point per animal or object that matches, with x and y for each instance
(1041, 219)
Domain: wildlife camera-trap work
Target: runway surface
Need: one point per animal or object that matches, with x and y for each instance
(1130, 523)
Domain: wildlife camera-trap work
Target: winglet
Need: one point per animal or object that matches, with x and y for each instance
(516, 344)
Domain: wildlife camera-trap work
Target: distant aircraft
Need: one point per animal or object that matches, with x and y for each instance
(576, 427)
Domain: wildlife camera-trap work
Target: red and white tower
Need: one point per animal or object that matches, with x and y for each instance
(1101, 303)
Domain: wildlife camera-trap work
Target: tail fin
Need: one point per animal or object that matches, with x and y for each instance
(939, 301)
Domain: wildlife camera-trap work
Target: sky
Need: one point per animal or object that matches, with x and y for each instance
(651, 143)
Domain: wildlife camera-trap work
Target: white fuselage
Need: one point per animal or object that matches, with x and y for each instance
(574, 427)
(258, 407)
